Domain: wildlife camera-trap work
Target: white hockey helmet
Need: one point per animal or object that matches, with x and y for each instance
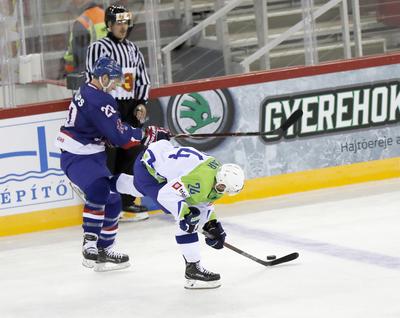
(232, 177)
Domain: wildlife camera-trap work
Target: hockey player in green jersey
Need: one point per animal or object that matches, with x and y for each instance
(185, 182)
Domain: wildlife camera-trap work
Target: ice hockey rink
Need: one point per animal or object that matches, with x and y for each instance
(349, 265)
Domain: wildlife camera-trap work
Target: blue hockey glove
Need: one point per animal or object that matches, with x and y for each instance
(190, 221)
(215, 234)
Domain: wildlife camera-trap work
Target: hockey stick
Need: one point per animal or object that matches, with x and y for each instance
(285, 126)
(277, 261)
(78, 191)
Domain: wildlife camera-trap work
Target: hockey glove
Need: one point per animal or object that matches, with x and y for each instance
(140, 113)
(215, 234)
(154, 133)
(190, 221)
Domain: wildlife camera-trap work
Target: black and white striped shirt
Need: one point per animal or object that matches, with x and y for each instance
(126, 54)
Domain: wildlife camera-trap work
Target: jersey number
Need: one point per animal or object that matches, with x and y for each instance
(185, 153)
(108, 110)
(128, 82)
(72, 111)
(193, 189)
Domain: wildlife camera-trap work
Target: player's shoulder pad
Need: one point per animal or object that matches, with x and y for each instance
(102, 101)
(162, 145)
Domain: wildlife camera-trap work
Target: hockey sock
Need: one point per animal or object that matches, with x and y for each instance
(110, 225)
(93, 212)
(93, 216)
(189, 245)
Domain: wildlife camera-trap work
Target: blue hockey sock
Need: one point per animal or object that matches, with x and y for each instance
(97, 195)
(110, 224)
(93, 217)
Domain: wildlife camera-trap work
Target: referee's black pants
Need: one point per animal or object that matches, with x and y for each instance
(120, 160)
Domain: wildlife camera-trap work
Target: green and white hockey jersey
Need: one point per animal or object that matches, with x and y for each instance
(189, 176)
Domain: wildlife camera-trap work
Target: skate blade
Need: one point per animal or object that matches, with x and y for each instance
(133, 217)
(88, 263)
(199, 284)
(107, 267)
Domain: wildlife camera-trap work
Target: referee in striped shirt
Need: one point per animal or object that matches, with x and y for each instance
(131, 96)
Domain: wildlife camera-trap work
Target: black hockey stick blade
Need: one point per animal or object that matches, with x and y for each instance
(277, 261)
(283, 259)
(285, 126)
(291, 120)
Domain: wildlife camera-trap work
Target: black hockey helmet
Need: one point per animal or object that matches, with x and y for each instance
(118, 14)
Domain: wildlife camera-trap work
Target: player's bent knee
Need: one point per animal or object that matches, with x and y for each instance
(123, 183)
(99, 191)
(114, 199)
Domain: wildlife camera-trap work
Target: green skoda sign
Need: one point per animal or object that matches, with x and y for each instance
(198, 110)
(204, 112)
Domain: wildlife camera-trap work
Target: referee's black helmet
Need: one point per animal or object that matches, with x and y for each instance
(118, 14)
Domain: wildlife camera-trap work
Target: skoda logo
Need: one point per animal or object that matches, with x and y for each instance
(204, 112)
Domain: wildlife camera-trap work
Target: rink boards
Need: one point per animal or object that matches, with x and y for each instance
(254, 189)
(348, 134)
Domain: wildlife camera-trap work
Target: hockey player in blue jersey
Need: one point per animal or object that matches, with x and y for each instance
(93, 120)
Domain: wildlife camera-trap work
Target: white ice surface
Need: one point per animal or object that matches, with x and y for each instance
(349, 266)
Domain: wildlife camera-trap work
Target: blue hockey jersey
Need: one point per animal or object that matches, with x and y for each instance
(93, 119)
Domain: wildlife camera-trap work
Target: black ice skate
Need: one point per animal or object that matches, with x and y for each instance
(109, 260)
(89, 250)
(199, 278)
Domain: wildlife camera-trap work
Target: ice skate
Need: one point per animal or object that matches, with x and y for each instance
(89, 250)
(199, 278)
(133, 213)
(133, 217)
(110, 260)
